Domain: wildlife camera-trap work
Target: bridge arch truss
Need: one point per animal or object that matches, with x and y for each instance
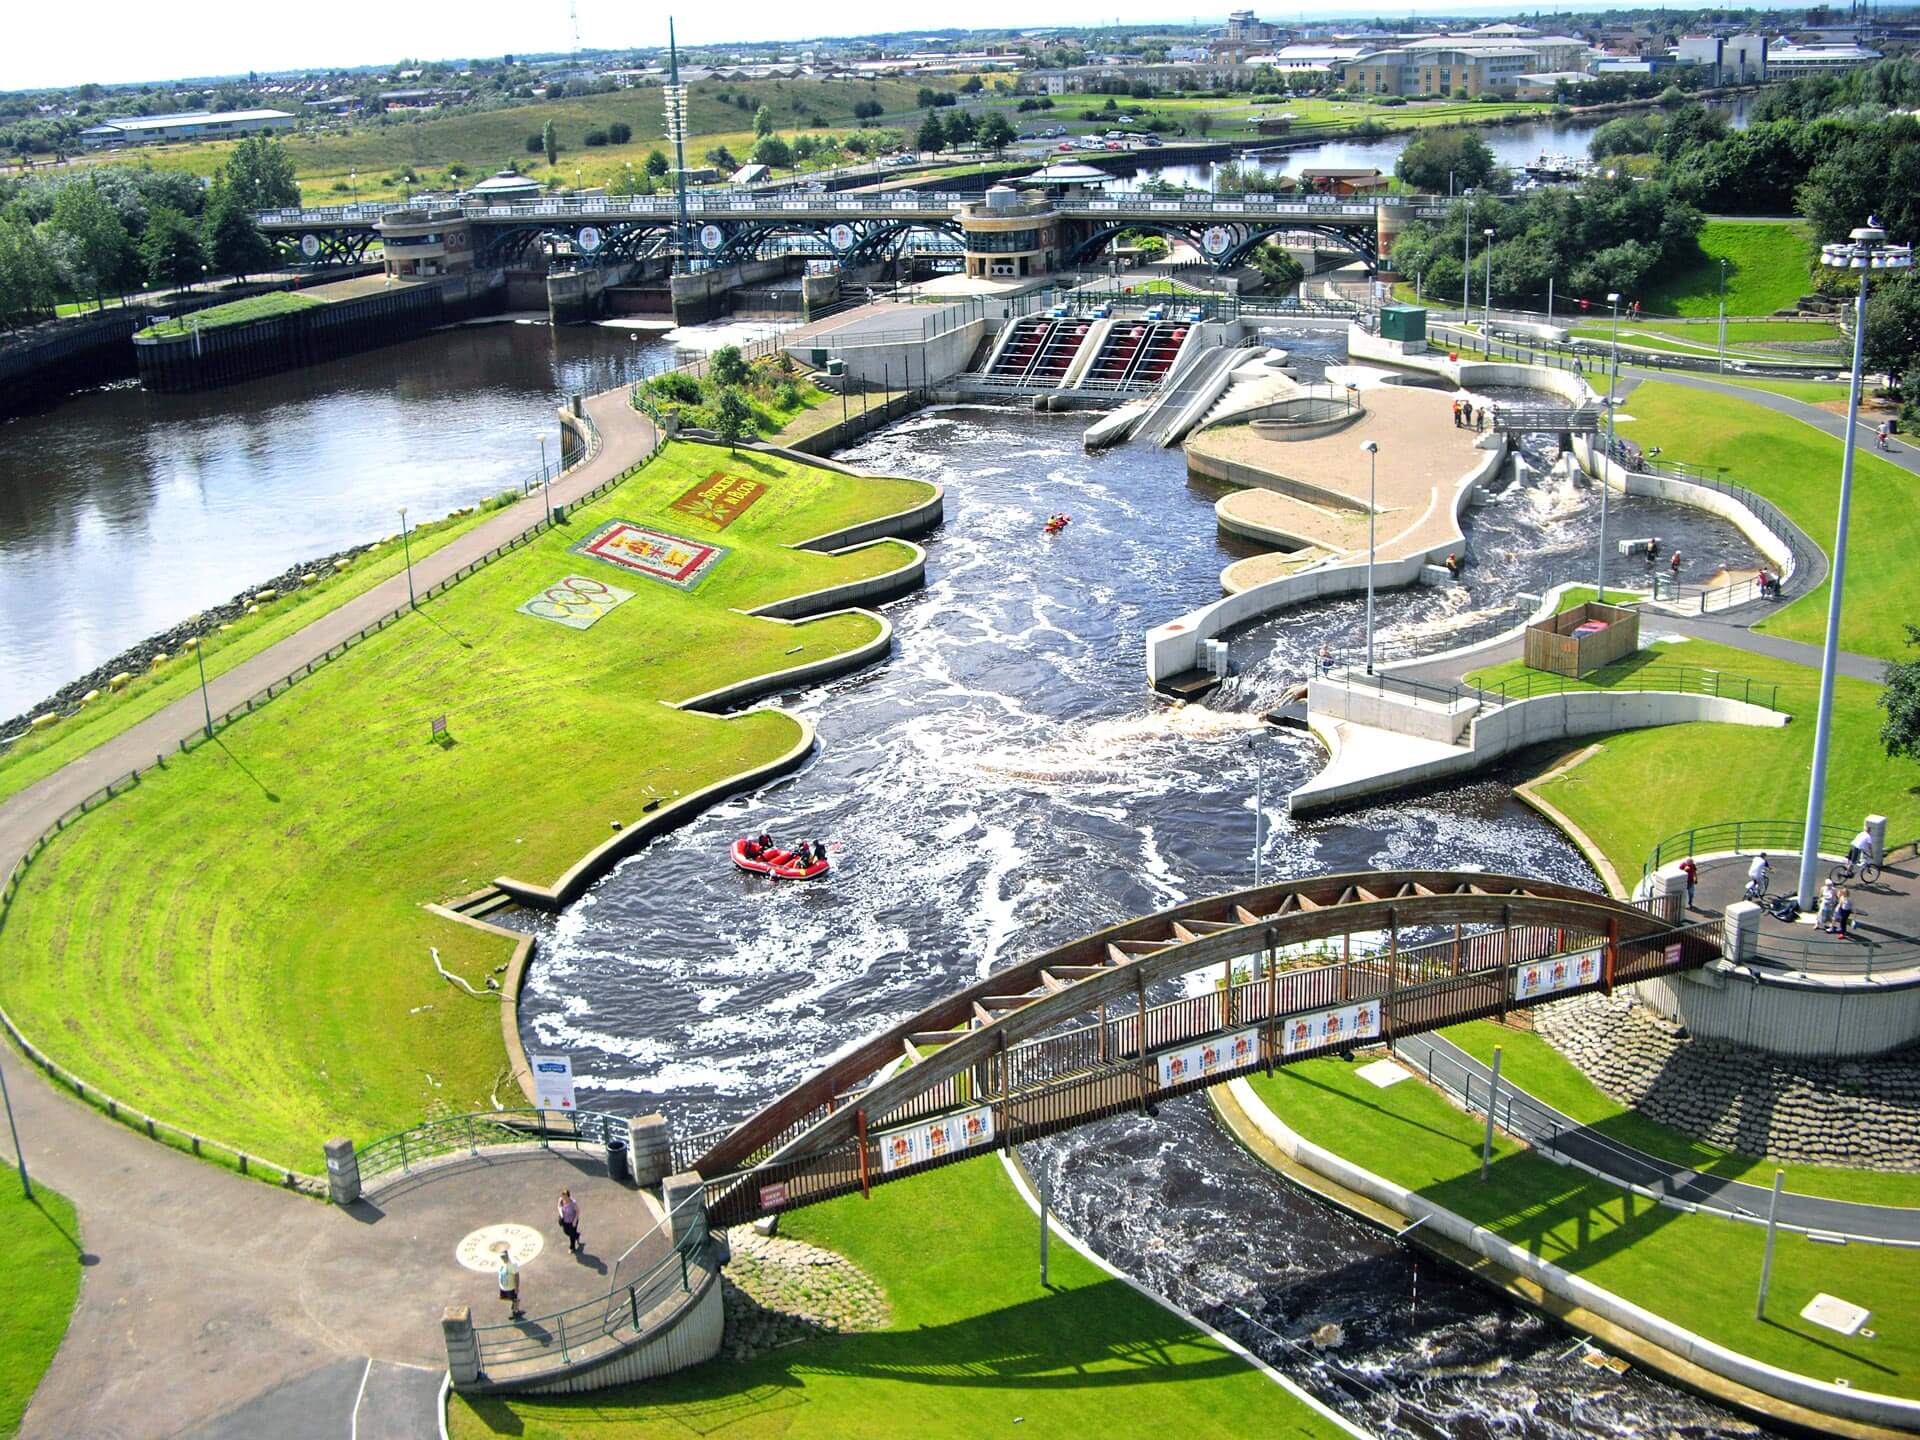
(1244, 235)
(1070, 1036)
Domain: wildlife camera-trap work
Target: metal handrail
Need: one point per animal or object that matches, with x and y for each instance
(1739, 837)
(1675, 679)
(449, 1134)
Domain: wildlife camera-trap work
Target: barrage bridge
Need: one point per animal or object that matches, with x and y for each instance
(727, 225)
(1069, 1037)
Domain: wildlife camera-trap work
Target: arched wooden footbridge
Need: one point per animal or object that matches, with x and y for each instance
(1070, 1036)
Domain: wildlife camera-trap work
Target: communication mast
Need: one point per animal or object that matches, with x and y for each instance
(676, 106)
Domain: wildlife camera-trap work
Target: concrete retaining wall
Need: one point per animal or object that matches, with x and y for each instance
(692, 1334)
(1429, 717)
(1791, 1017)
(1175, 646)
(1817, 1395)
(1684, 492)
(854, 593)
(898, 363)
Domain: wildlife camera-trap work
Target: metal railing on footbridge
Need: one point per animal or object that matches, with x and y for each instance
(1620, 676)
(451, 1134)
(1134, 1060)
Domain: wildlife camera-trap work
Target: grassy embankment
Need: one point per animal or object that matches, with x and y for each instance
(975, 1346)
(234, 312)
(1769, 267)
(1699, 1271)
(1543, 1072)
(39, 754)
(40, 1240)
(1644, 785)
(1797, 467)
(269, 977)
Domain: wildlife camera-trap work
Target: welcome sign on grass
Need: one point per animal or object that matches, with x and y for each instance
(670, 559)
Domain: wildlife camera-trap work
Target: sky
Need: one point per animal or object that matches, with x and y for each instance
(117, 41)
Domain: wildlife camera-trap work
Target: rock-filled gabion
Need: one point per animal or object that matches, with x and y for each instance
(1861, 1113)
(776, 1291)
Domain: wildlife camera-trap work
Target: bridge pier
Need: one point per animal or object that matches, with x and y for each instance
(684, 1197)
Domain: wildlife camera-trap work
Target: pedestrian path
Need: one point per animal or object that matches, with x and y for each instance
(1552, 1131)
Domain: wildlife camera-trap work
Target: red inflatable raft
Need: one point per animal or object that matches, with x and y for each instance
(780, 864)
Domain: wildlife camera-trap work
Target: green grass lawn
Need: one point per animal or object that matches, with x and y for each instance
(268, 977)
(1585, 594)
(976, 1346)
(1699, 1271)
(1808, 392)
(1705, 342)
(1798, 468)
(235, 312)
(39, 754)
(40, 1241)
(1543, 1072)
(1768, 268)
(1702, 773)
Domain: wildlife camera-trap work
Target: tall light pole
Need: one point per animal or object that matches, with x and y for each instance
(1259, 803)
(675, 95)
(1372, 449)
(1866, 251)
(1613, 374)
(406, 547)
(546, 491)
(200, 656)
(19, 1155)
(1723, 313)
(1466, 269)
(1487, 326)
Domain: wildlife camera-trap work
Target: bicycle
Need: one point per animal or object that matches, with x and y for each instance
(1757, 887)
(1867, 873)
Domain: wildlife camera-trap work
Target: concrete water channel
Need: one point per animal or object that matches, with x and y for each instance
(1005, 782)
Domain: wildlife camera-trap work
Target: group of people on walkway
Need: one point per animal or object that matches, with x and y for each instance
(567, 1212)
(1465, 417)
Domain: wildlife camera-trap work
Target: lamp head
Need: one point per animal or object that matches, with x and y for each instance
(1613, 297)
(1371, 447)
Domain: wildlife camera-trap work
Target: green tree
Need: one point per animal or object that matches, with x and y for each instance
(773, 152)
(620, 132)
(170, 250)
(1900, 733)
(1278, 268)
(996, 134)
(535, 144)
(1893, 334)
(233, 243)
(932, 135)
(961, 129)
(98, 246)
(1434, 155)
(727, 368)
(1203, 122)
(762, 122)
(971, 85)
(732, 417)
(260, 170)
(28, 276)
(657, 164)
(721, 158)
(550, 142)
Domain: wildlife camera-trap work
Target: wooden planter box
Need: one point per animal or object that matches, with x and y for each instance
(1553, 646)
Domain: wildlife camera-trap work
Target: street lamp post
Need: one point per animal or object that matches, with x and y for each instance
(1466, 270)
(406, 547)
(1488, 325)
(546, 490)
(19, 1155)
(200, 656)
(1613, 374)
(1372, 449)
(1723, 313)
(1867, 250)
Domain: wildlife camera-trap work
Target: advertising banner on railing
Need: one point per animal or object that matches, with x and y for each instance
(552, 1082)
(1212, 1057)
(949, 1135)
(1562, 972)
(1345, 1026)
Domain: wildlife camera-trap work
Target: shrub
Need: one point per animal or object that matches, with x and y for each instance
(619, 132)
(595, 139)
(534, 144)
(787, 395)
(675, 386)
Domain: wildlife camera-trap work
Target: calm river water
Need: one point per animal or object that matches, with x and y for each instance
(1004, 783)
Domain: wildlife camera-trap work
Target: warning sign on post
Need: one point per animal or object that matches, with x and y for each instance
(552, 1082)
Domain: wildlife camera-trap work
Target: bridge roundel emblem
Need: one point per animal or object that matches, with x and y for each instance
(712, 237)
(590, 238)
(1217, 240)
(309, 245)
(841, 237)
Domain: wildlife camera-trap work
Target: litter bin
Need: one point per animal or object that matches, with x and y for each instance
(617, 1159)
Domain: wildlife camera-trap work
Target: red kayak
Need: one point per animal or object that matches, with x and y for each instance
(780, 864)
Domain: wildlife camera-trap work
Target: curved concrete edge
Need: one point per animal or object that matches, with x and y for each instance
(1821, 1398)
(740, 692)
(1174, 647)
(1017, 1173)
(597, 861)
(887, 585)
(918, 520)
(1522, 723)
(1548, 607)
(1589, 850)
(1258, 477)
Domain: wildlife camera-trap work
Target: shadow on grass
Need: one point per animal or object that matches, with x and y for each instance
(53, 1224)
(245, 769)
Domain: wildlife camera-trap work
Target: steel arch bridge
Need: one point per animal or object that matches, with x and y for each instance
(1239, 238)
(1069, 1036)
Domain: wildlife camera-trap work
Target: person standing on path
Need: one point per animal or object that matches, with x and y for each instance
(570, 1221)
(1829, 899)
(509, 1277)
(1692, 873)
(1843, 914)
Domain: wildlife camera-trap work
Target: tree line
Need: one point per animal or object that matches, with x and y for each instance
(89, 234)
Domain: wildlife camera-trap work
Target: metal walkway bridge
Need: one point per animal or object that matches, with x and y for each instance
(729, 224)
(1069, 1037)
(1548, 419)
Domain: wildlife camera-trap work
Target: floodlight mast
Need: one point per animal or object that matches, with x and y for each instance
(676, 107)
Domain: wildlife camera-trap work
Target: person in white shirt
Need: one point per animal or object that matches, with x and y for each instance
(1860, 851)
(1758, 874)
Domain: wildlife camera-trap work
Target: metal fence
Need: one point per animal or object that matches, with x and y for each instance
(1622, 676)
(1740, 837)
(450, 1134)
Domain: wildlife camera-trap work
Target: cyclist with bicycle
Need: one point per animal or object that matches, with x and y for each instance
(1759, 876)
(1860, 850)
(1862, 861)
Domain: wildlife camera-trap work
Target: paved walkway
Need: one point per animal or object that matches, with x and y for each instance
(1548, 1129)
(1903, 453)
(207, 1294)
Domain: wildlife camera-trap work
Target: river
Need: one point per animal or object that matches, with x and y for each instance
(1003, 783)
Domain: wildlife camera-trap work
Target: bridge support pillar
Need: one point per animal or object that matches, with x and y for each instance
(1740, 937)
(463, 1349)
(685, 1198)
(343, 1171)
(1671, 890)
(650, 1148)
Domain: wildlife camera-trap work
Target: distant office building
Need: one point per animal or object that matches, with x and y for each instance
(1241, 25)
(1786, 61)
(187, 125)
(1734, 59)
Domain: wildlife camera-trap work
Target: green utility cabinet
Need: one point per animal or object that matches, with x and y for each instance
(1405, 323)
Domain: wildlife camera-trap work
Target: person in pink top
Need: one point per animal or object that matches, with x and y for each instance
(570, 1220)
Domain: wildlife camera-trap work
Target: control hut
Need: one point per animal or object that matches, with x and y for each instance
(1579, 641)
